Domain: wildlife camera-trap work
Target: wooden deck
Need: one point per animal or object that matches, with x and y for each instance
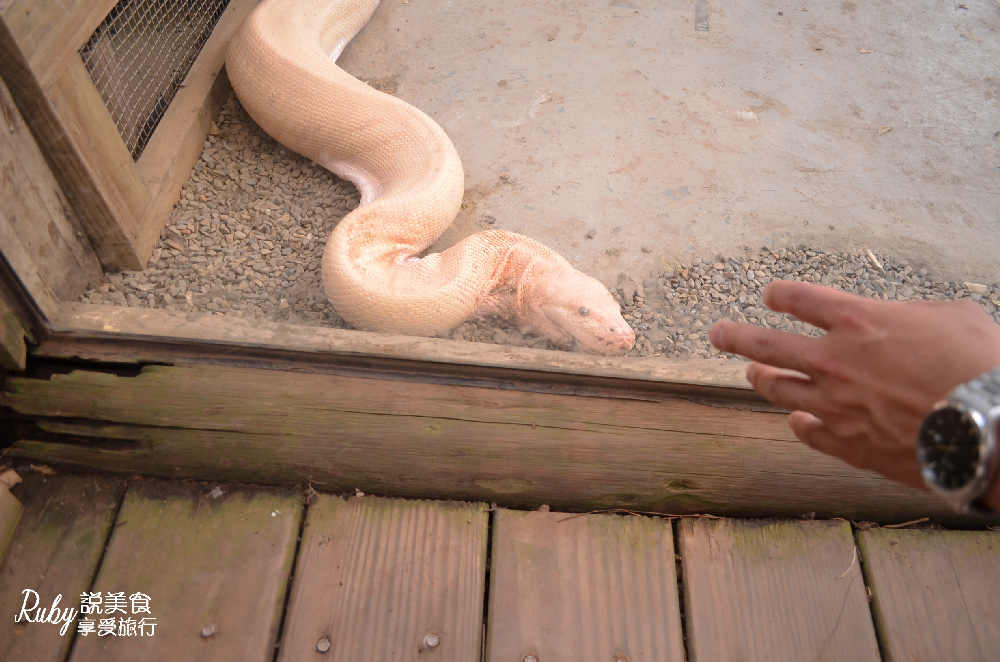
(236, 572)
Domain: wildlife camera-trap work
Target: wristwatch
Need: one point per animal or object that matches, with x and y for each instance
(957, 444)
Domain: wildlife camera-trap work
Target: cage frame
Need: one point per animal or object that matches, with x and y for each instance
(74, 202)
(121, 203)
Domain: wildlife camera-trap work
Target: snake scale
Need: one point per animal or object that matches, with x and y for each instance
(282, 65)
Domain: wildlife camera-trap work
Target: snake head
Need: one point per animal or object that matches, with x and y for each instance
(568, 306)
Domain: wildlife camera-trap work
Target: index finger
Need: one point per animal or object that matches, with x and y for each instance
(769, 346)
(816, 304)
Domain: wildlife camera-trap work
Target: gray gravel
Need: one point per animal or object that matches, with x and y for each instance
(247, 236)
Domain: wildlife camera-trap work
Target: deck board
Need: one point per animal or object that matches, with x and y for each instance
(55, 551)
(376, 576)
(591, 587)
(759, 590)
(204, 558)
(935, 594)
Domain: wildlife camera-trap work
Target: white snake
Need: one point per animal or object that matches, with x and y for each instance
(282, 65)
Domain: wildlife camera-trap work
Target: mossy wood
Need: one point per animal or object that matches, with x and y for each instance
(431, 439)
(374, 577)
(587, 587)
(377, 577)
(207, 558)
(760, 590)
(55, 551)
(935, 594)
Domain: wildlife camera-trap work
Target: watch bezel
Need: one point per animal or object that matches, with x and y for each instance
(975, 485)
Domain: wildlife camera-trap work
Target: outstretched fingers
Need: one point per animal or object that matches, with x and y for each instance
(818, 305)
(784, 388)
(813, 433)
(778, 348)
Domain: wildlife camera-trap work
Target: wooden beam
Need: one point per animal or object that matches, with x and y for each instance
(51, 32)
(82, 146)
(216, 557)
(591, 587)
(120, 334)
(122, 204)
(377, 577)
(774, 591)
(80, 111)
(935, 594)
(662, 453)
(40, 236)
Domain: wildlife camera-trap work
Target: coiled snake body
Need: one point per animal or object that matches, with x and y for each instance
(282, 65)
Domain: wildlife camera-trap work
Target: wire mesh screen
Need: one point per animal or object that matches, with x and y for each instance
(139, 56)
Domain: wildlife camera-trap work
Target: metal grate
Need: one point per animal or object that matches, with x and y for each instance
(139, 56)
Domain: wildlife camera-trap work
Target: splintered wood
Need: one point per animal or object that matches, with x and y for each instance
(431, 438)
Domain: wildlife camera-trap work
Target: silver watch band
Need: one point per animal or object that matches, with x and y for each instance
(982, 394)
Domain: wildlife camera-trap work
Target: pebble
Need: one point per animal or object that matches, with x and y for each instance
(247, 236)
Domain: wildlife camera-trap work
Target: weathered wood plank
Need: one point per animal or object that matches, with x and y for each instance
(50, 32)
(376, 577)
(592, 587)
(206, 560)
(137, 334)
(10, 514)
(13, 332)
(935, 594)
(442, 440)
(55, 551)
(40, 235)
(176, 144)
(82, 146)
(22, 320)
(774, 591)
(81, 111)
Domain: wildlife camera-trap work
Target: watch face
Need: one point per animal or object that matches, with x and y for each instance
(949, 448)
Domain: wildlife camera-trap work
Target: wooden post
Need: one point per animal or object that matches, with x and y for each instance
(83, 149)
(121, 204)
(41, 237)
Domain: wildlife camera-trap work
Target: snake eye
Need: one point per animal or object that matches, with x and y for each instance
(584, 311)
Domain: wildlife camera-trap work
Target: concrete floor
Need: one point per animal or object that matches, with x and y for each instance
(632, 134)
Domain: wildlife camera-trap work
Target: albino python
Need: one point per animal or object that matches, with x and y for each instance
(282, 65)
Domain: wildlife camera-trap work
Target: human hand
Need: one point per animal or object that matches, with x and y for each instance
(861, 391)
